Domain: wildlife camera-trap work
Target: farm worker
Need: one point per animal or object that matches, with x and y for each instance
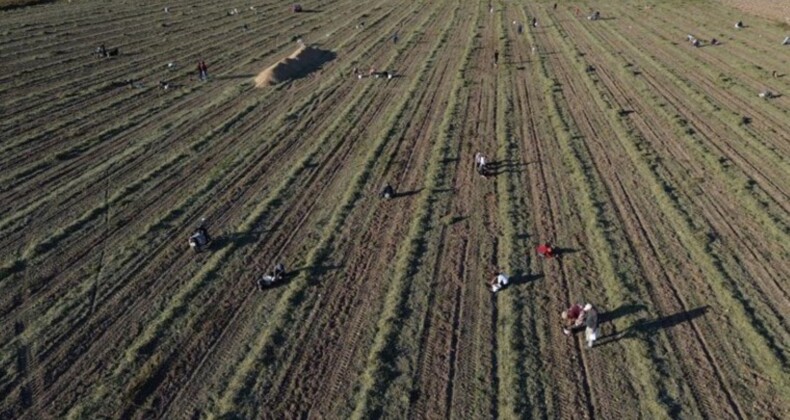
(500, 280)
(572, 318)
(266, 281)
(786, 41)
(591, 324)
(496, 57)
(279, 271)
(546, 250)
(388, 192)
(395, 38)
(202, 70)
(555, 6)
(520, 28)
(534, 22)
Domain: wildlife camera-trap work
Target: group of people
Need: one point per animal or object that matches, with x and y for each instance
(579, 317)
(374, 73)
(274, 276)
(575, 318)
(200, 240)
(500, 279)
(103, 52)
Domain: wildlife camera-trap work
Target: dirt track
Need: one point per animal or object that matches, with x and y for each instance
(653, 164)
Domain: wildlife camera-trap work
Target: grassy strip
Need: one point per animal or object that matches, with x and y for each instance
(738, 309)
(138, 357)
(619, 283)
(720, 266)
(514, 367)
(754, 198)
(342, 71)
(384, 387)
(239, 387)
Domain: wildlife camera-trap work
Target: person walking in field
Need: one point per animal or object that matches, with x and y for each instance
(202, 70)
(496, 57)
(573, 319)
(534, 22)
(591, 324)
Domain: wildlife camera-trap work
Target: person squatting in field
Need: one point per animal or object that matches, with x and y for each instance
(573, 319)
(546, 250)
(499, 281)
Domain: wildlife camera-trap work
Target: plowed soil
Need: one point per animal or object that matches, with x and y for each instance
(651, 164)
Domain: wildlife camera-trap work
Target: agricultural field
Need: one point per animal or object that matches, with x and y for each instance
(653, 165)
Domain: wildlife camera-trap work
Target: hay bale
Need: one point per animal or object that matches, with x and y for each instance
(299, 64)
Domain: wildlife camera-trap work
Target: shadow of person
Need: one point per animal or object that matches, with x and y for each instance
(562, 252)
(620, 312)
(406, 193)
(648, 327)
(519, 277)
(643, 328)
(238, 239)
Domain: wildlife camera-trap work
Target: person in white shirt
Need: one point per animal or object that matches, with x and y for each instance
(501, 280)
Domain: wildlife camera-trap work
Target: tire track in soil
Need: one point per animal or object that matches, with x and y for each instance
(543, 192)
(443, 339)
(351, 330)
(460, 300)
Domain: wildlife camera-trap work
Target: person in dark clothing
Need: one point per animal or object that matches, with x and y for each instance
(388, 192)
(395, 38)
(520, 28)
(534, 22)
(202, 70)
(591, 324)
(555, 6)
(496, 57)
(279, 271)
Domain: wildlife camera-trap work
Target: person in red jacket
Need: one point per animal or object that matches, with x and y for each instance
(546, 250)
(573, 318)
